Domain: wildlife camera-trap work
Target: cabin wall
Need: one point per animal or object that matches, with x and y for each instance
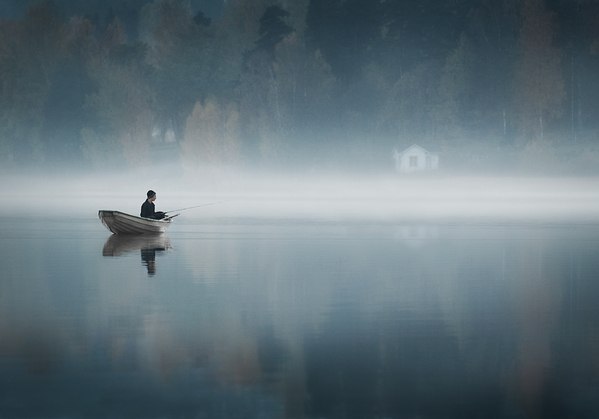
(415, 159)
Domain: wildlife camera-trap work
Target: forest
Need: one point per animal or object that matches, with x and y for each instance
(307, 85)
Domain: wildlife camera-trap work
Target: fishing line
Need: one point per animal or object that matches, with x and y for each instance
(195, 206)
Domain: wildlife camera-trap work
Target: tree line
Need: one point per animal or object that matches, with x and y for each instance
(303, 83)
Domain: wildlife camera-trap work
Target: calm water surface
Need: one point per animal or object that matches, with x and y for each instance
(299, 319)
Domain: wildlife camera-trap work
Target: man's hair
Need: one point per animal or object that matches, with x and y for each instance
(151, 193)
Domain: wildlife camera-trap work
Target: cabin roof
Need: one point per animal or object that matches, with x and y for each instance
(415, 147)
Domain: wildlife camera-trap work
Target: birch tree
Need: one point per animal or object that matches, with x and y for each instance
(539, 85)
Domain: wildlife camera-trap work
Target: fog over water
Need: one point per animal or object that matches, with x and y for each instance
(309, 297)
(332, 198)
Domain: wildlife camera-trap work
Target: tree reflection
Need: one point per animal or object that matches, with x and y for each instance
(471, 322)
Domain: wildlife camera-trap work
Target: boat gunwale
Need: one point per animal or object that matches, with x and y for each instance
(119, 222)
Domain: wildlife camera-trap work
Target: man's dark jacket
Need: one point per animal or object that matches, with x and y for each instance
(148, 210)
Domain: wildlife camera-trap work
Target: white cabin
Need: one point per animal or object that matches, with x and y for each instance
(415, 159)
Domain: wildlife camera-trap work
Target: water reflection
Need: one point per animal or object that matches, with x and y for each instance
(147, 244)
(350, 322)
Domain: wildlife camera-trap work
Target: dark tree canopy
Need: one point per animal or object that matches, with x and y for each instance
(272, 28)
(482, 80)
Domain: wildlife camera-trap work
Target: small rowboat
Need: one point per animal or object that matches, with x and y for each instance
(121, 223)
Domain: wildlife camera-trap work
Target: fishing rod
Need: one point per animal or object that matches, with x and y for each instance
(195, 206)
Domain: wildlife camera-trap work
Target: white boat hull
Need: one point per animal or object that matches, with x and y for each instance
(121, 223)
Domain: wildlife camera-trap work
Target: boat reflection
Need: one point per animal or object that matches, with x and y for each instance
(147, 244)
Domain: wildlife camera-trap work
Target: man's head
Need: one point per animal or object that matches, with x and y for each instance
(151, 195)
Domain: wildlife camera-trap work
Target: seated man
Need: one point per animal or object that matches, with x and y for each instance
(148, 208)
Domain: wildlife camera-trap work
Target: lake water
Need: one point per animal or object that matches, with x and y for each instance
(299, 319)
